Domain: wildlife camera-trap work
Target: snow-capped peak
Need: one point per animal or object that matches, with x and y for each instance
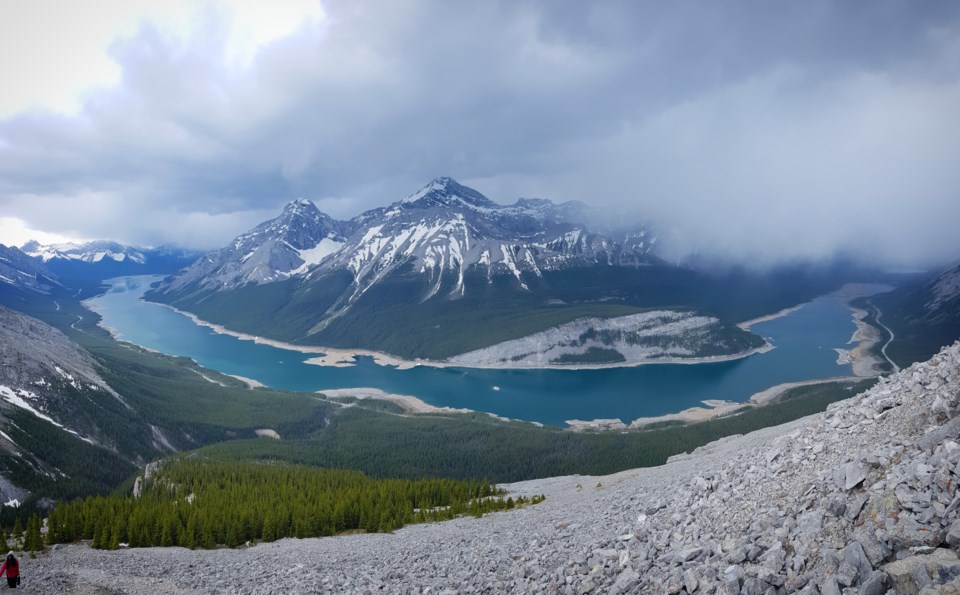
(447, 192)
(442, 232)
(89, 252)
(300, 205)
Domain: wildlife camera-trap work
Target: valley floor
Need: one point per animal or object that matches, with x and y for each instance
(778, 508)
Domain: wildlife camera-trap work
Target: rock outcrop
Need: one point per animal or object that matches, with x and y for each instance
(860, 499)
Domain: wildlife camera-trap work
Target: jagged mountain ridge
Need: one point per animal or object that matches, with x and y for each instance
(447, 270)
(442, 231)
(275, 250)
(88, 252)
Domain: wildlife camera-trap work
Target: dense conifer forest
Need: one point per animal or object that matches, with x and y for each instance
(197, 503)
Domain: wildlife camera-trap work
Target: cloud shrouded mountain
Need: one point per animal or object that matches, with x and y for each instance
(439, 234)
(480, 272)
(756, 133)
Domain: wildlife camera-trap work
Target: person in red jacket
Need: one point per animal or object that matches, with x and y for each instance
(12, 568)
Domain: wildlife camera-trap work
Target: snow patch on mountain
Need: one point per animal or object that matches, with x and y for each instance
(442, 232)
(21, 397)
(313, 256)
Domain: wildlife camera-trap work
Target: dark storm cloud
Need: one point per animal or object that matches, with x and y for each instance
(757, 131)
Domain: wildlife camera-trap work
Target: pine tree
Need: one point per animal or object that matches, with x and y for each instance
(18, 533)
(166, 532)
(191, 533)
(115, 531)
(33, 541)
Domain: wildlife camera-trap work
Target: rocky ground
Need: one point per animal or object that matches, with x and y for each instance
(860, 499)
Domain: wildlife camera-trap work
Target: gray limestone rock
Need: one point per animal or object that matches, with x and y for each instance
(854, 555)
(874, 550)
(853, 475)
(875, 584)
(830, 587)
(908, 533)
(909, 575)
(625, 582)
(953, 535)
(846, 574)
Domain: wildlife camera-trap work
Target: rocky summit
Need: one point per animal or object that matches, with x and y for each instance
(860, 499)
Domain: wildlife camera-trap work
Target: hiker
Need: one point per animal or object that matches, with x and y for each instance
(12, 568)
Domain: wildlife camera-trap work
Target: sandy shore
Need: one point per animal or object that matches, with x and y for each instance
(713, 407)
(251, 383)
(864, 363)
(408, 403)
(745, 325)
(765, 397)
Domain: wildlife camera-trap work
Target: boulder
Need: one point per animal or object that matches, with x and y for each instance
(908, 533)
(910, 575)
(948, 431)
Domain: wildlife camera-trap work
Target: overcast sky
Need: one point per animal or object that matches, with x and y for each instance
(758, 131)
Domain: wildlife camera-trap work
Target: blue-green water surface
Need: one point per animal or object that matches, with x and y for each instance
(804, 340)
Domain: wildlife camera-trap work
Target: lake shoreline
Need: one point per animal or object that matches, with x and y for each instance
(863, 361)
(337, 357)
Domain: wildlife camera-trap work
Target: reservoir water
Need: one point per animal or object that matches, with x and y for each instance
(804, 339)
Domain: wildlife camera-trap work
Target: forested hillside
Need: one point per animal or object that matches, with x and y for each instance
(191, 502)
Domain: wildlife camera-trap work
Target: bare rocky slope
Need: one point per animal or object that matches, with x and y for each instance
(860, 499)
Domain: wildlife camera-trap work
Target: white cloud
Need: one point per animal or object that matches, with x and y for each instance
(53, 53)
(15, 232)
(758, 133)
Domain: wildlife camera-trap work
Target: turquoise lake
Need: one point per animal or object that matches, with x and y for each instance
(804, 341)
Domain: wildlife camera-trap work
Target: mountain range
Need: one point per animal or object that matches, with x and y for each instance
(440, 272)
(441, 233)
(103, 259)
